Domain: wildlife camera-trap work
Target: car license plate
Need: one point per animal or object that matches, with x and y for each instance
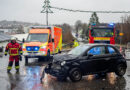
(32, 54)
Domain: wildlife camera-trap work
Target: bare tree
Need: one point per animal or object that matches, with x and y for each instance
(20, 29)
(67, 35)
(125, 26)
(85, 30)
(78, 25)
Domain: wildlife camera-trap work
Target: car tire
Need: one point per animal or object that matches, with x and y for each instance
(75, 75)
(26, 60)
(120, 70)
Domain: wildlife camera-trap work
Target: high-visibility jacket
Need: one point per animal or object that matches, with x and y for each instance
(75, 43)
(13, 49)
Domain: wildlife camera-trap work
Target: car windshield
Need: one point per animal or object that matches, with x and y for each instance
(79, 50)
(37, 37)
(102, 32)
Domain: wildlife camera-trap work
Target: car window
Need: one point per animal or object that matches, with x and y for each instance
(79, 50)
(100, 50)
(111, 50)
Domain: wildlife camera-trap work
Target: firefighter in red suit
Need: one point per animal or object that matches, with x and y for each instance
(14, 49)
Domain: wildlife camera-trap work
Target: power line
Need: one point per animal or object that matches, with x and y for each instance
(71, 10)
(47, 9)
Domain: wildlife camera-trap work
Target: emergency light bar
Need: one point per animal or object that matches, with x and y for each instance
(111, 25)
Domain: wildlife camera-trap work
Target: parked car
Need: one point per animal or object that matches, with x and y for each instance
(87, 59)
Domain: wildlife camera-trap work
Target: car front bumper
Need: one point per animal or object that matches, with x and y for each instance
(58, 73)
(34, 54)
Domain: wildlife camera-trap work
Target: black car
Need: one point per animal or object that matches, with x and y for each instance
(87, 59)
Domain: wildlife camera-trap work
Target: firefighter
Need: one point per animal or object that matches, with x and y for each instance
(15, 51)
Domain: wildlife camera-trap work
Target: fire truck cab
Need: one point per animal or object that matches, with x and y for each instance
(102, 33)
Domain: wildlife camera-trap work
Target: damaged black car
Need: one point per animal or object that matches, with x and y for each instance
(87, 59)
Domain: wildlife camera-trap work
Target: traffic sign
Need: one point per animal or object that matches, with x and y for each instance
(121, 34)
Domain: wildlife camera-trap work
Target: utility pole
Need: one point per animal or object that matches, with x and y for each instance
(46, 9)
(121, 30)
(121, 34)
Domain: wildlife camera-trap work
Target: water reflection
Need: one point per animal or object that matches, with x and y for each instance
(32, 78)
(13, 80)
(111, 82)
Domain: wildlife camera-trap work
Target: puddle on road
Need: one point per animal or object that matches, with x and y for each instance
(90, 82)
(30, 80)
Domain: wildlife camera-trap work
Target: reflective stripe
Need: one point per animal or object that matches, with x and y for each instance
(13, 49)
(9, 68)
(16, 67)
(13, 54)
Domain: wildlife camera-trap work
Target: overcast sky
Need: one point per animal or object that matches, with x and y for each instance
(29, 10)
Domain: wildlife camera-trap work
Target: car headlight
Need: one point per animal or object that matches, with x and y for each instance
(43, 47)
(63, 63)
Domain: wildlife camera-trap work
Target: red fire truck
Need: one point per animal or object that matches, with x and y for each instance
(103, 33)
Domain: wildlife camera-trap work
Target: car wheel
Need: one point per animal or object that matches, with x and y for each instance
(120, 70)
(75, 75)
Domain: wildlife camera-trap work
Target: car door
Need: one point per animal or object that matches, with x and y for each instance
(111, 57)
(97, 61)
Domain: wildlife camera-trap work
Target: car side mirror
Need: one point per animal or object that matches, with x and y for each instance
(23, 40)
(53, 40)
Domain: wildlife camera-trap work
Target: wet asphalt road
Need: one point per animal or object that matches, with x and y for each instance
(29, 79)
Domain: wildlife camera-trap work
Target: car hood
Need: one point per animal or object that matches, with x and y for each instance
(64, 57)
